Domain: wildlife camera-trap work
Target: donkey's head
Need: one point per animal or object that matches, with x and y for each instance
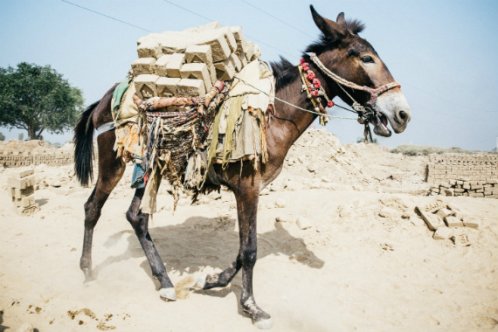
(353, 59)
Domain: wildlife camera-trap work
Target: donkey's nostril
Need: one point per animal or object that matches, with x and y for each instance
(403, 115)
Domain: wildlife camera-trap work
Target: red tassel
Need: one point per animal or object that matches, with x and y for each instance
(330, 103)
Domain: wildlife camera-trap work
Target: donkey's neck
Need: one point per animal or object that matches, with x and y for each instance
(288, 122)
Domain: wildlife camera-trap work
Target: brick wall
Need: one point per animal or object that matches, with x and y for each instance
(463, 175)
(19, 158)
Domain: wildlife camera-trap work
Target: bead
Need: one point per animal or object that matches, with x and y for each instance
(330, 103)
(302, 61)
(315, 93)
(305, 66)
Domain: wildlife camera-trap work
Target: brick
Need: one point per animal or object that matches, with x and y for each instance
(219, 45)
(174, 64)
(461, 240)
(145, 85)
(197, 71)
(453, 221)
(224, 70)
(143, 66)
(470, 222)
(199, 53)
(432, 221)
(236, 62)
(191, 87)
(443, 233)
(149, 48)
(167, 86)
(445, 212)
(160, 65)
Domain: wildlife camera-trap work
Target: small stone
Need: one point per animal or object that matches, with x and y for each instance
(445, 212)
(443, 233)
(304, 223)
(279, 203)
(432, 221)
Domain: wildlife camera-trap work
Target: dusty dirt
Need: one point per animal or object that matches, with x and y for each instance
(347, 253)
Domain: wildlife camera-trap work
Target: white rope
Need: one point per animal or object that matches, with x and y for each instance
(293, 105)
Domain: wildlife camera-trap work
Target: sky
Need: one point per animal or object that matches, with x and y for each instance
(443, 52)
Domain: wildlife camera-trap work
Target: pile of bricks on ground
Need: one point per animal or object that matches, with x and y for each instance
(22, 187)
(447, 222)
(466, 188)
(188, 63)
(23, 158)
(463, 175)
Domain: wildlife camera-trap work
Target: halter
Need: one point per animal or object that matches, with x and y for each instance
(366, 113)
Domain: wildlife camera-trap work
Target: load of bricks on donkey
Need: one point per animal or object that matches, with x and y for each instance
(192, 98)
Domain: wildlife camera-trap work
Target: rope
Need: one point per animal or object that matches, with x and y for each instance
(296, 106)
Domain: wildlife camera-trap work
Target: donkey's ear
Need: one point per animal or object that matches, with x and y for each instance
(341, 20)
(328, 27)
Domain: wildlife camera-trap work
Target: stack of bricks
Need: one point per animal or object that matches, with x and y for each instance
(189, 62)
(22, 187)
(463, 175)
(447, 222)
(25, 158)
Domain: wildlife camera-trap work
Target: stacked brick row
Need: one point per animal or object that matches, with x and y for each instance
(188, 63)
(463, 175)
(22, 188)
(9, 159)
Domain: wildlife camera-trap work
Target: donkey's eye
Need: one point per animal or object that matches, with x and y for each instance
(367, 59)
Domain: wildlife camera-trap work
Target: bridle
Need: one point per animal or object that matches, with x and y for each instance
(366, 112)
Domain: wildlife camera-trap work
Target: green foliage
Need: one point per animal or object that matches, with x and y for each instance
(2, 137)
(37, 98)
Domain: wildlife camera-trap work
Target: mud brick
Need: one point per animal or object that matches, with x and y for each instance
(477, 195)
(143, 66)
(199, 53)
(197, 71)
(434, 206)
(443, 233)
(219, 45)
(466, 185)
(224, 70)
(160, 65)
(445, 212)
(148, 49)
(167, 86)
(191, 87)
(453, 221)
(174, 64)
(470, 222)
(432, 221)
(461, 240)
(27, 201)
(230, 38)
(251, 51)
(236, 62)
(145, 85)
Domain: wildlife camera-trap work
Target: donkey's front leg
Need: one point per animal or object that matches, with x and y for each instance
(247, 209)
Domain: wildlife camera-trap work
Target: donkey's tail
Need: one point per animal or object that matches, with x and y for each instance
(83, 146)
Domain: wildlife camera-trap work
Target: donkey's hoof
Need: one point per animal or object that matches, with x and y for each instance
(88, 274)
(264, 324)
(168, 294)
(200, 283)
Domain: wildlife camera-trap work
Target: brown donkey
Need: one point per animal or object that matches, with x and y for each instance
(343, 63)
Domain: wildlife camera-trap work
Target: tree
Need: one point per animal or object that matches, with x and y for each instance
(37, 98)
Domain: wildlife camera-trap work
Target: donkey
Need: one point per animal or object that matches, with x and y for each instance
(346, 66)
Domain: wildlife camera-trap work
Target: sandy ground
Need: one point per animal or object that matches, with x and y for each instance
(348, 253)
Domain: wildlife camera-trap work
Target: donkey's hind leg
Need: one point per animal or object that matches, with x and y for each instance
(111, 170)
(140, 223)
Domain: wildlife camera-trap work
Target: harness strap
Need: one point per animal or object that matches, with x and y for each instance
(374, 92)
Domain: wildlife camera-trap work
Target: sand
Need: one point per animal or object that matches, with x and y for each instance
(347, 253)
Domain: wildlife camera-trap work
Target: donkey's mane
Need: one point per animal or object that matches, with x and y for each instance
(285, 72)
